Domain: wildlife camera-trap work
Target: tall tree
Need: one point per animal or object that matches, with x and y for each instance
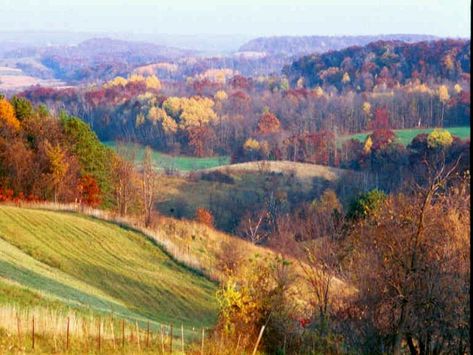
(149, 184)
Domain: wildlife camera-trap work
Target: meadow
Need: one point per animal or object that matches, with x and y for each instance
(405, 136)
(179, 162)
(92, 282)
(100, 267)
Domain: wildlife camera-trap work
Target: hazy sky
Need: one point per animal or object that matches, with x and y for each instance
(248, 17)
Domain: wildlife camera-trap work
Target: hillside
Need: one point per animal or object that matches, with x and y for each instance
(230, 191)
(299, 45)
(386, 62)
(97, 266)
(302, 171)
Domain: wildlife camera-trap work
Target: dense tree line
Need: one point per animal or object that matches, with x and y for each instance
(387, 63)
(45, 157)
(224, 113)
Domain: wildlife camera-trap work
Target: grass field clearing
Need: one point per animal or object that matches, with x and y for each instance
(179, 162)
(405, 136)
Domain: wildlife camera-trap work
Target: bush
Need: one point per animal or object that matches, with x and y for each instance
(204, 216)
(218, 176)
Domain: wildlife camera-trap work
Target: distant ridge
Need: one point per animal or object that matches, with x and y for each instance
(300, 45)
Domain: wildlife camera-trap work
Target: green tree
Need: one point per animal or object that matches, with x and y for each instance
(94, 158)
(366, 204)
(22, 106)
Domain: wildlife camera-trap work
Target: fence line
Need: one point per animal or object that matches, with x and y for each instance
(67, 329)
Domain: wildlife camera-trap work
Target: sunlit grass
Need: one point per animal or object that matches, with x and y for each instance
(97, 265)
(405, 136)
(180, 162)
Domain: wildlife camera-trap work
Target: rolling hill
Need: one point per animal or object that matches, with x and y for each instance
(93, 265)
(298, 45)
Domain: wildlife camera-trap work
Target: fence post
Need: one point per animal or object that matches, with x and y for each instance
(147, 336)
(32, 333)
(259, 339)
(18, 329)
(284, 345)
(203, 336)
(182, 338)
(67, 334)
(113, 334)
(123, 333)
(138, 335)
(162, 339)
(99, 335)
(171, 339)
(238, 343)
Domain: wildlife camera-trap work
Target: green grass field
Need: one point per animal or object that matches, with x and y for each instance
(60, 258)
(180, 162)
(405, 136)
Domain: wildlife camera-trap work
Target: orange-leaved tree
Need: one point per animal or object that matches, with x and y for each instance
(204, 216)
(7, 115)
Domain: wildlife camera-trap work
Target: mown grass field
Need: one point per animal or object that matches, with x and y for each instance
(179, 162)
(66, 259)
(56, 265)
(405, 136)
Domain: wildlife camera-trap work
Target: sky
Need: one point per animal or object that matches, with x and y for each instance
(446, 18)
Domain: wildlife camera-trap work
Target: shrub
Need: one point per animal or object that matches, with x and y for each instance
(204, 216)
(218, 176)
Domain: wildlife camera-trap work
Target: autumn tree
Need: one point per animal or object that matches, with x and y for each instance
(58, 166)
(412, 275)
(89, 191)
(94, 158)
(253, 226)
(444, 96)
(149, 184)
(124, 179)
(268, 123)
(7, 115)
(204, 216)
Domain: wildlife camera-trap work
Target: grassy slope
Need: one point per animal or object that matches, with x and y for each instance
(405, 136)
(302, 171)
(97, 265)
(180, 196)
(180, 162)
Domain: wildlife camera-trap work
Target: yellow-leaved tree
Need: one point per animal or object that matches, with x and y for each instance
(156, 114)
(439, 138)
(220, 96)
(190, 112)
(117, 81)
(251, 144)
(7, 115)
(58, 166)
(153, 83)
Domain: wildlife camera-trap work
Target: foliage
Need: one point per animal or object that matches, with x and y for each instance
(439, 138)
(94, 157)
(22, 106)
(251, 144)
(7, 115)
(58, 166)
(204, 216)
(257, 294)
(268, 123)
(89, 191)
(366, 204)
